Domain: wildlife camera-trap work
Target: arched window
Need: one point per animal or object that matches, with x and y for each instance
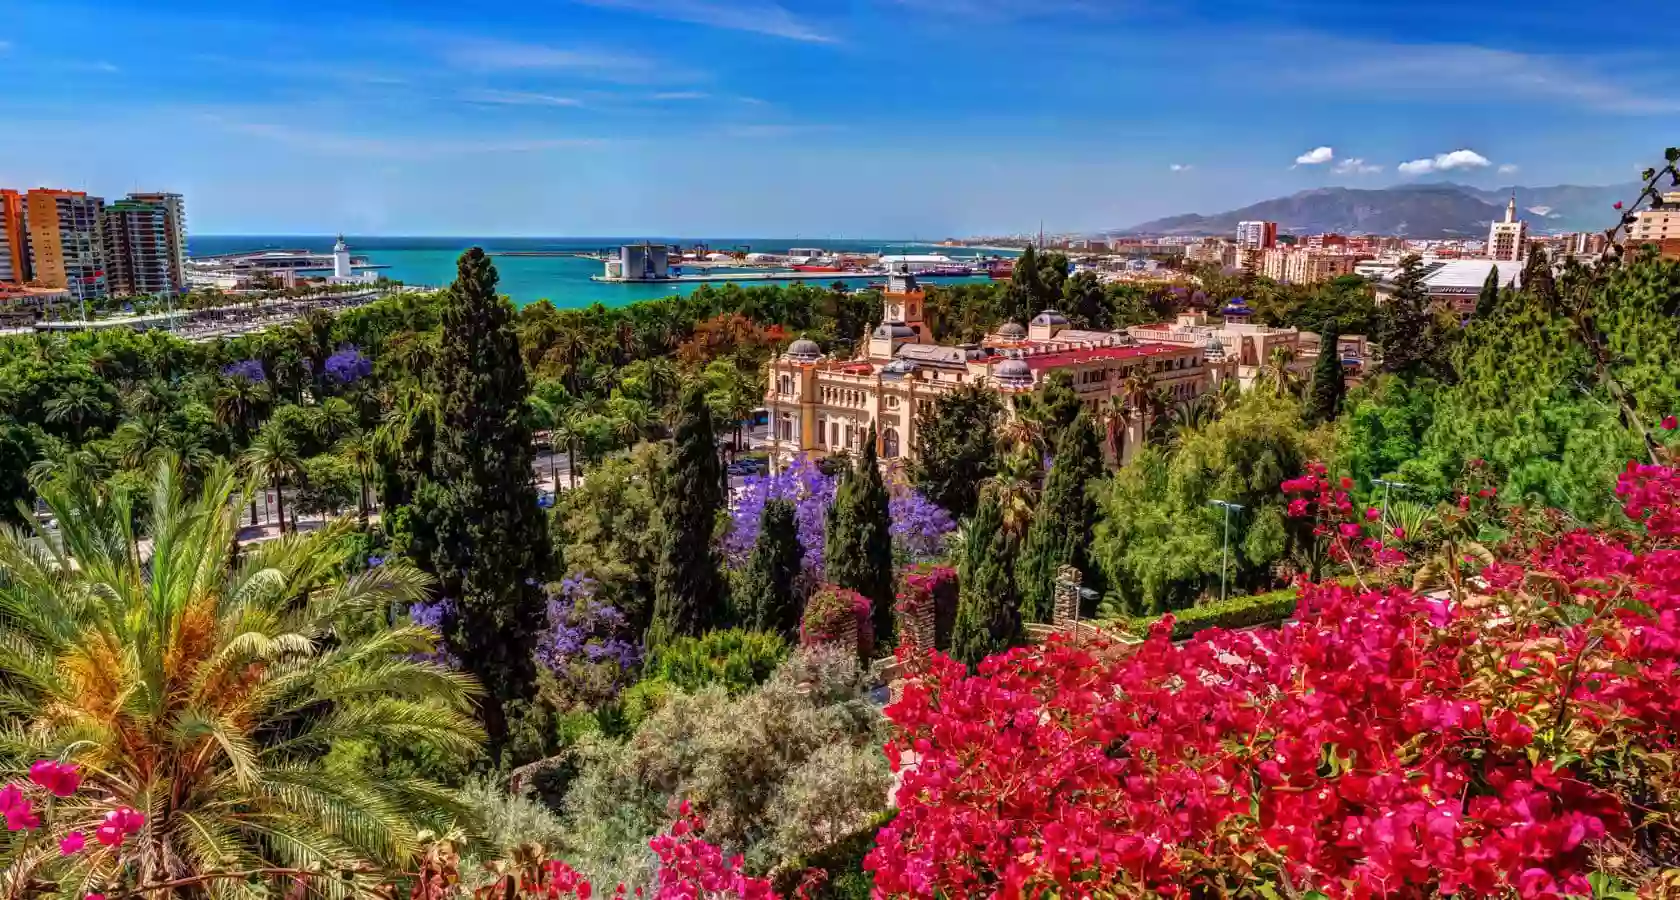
(889, 444)
(786, 384)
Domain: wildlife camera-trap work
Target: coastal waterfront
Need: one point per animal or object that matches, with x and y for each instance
(564, 280)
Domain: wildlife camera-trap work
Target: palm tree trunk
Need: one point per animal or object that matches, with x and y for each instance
(253, 511)
(571, 461)
(553, 463)
(362, 495)
(280, 503)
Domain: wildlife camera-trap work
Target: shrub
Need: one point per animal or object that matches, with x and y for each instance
(734, 659)
(1231, 613)
(835, 615)
(841, 863)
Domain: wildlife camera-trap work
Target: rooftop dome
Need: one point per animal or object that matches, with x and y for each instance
(1214, 349)
(1013, 373)
(898, 367)
(1012, 331)
(895, 330)
(1050, 317)
(804, 350)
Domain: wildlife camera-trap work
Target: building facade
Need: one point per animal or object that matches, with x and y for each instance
(14, 239)
(175, 212)
(1658, 227)
(1257, 235)
(823, 406)
(66, 245)
(1240, 350)
(139, 254)
(1508, 240)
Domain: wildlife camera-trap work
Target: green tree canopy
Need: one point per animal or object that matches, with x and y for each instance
(956, 447)
(688, 586)
(858, 554)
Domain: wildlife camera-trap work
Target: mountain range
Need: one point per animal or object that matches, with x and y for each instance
(1437, 210)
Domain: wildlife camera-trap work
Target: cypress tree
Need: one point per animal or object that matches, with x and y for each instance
(956, 448)
(491, 544)
(1054, 407)
(1538, 280)
(1061, 529)
(988, 611)
(1328, 387)
(1488, 300)
(1026, 287)
(1413, 343)
(858, 550)
(768, 595)
(688, 586)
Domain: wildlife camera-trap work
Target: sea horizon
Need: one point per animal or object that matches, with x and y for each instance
(564, 281)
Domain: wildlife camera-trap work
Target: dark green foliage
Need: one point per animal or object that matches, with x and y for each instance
(1231, 613)
(1383, 425)
(735, 659)
(1488, 300)
(769, 593)
(491, 540)
(1053, 407)
(688, 586)
(1060, 534)
(1414, 340)
(1085, 301)
(956, 447)
(1328, 384)
(842, 860)
(858, 554)
(1537, 279)
(988, 608)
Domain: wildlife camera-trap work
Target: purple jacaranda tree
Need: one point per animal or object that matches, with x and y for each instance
(918, 525)
(586, 643)
(434, 614)
(249, 369)
(348, 365)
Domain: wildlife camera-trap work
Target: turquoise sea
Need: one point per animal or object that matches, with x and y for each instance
(563, 280)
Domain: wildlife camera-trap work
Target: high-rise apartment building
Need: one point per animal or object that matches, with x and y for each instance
(1257, 235)
(66, 249)
(139, 248)
(1658, 227)
(1508, 240)
(176, 209)
(14, 239)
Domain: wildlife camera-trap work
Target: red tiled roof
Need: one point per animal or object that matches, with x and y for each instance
(1062, 358)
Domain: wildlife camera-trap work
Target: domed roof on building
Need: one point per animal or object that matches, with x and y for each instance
(804, 350)
(898, 367)
(1012, 331)
(1050, 317)
(895, 330)
(1013, 373)
(1214, 349)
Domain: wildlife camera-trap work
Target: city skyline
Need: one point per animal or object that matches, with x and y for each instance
(921, 118)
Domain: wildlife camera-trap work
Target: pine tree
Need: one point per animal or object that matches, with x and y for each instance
(1538, 281)
(956, 448)
(688, 587)
(1026, 288)
(988, 610)
(858, 552)
(1488, 300)
(768, 593)
(1061, 530)
(491, 544)
(1053, 407)
(1328, 386)
(1413, 341)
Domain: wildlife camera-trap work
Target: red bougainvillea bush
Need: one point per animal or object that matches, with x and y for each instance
(1511, 736)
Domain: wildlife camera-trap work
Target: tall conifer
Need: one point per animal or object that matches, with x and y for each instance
(1060, 534)
(988, 608)
(858, 551)
(768, 595)
(1328, 386)
(688, 587)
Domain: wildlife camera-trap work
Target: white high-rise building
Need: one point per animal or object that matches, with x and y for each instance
(1257, 235)
(1508, 240)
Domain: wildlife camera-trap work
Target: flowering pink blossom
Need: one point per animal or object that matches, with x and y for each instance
(60, 779)
(71, 844)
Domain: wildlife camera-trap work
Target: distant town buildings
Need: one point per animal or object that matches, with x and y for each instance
(1508, 240)
(1454, 283)
(69, 241)
(1257, 235)
(1660, 228)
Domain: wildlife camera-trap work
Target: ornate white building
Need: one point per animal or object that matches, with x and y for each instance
(820, 405)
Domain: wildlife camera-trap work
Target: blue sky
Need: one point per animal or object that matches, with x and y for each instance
(900, 118)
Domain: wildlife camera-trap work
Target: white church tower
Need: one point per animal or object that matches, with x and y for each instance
(341, 260)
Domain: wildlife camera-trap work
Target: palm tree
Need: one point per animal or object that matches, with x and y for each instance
(358, 453)
(239, 403)
(137, 439)
(333, 419)
(732, 394)
(631, 419)
(205, 689)
(273, 458)
(75, 404)
(1117, 416)
(1278, 372)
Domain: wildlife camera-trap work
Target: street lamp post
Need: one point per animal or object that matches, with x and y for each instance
(1225, 554)
(1386, 485)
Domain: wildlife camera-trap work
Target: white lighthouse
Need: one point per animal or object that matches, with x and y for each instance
(341, 261)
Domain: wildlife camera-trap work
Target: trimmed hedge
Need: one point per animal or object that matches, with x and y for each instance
(1235, 612)
(842, 860)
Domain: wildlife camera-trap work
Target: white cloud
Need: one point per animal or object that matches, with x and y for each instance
(681, 95)
(1445, 162)
(1356, 166)
(1181, 167)
(519, 98)
(1433, 71)
(1540, 210)
(481, 55)
(1507, 168)
(1315, 156)
(759, 17)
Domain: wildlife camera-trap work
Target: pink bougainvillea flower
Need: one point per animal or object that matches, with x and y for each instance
(71, 844)
(1669, 423)
(1616, 205)
(60, 779)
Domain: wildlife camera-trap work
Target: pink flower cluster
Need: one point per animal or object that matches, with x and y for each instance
(690, 868)
(1315, 494)
(118, 825)
(1384, 745)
